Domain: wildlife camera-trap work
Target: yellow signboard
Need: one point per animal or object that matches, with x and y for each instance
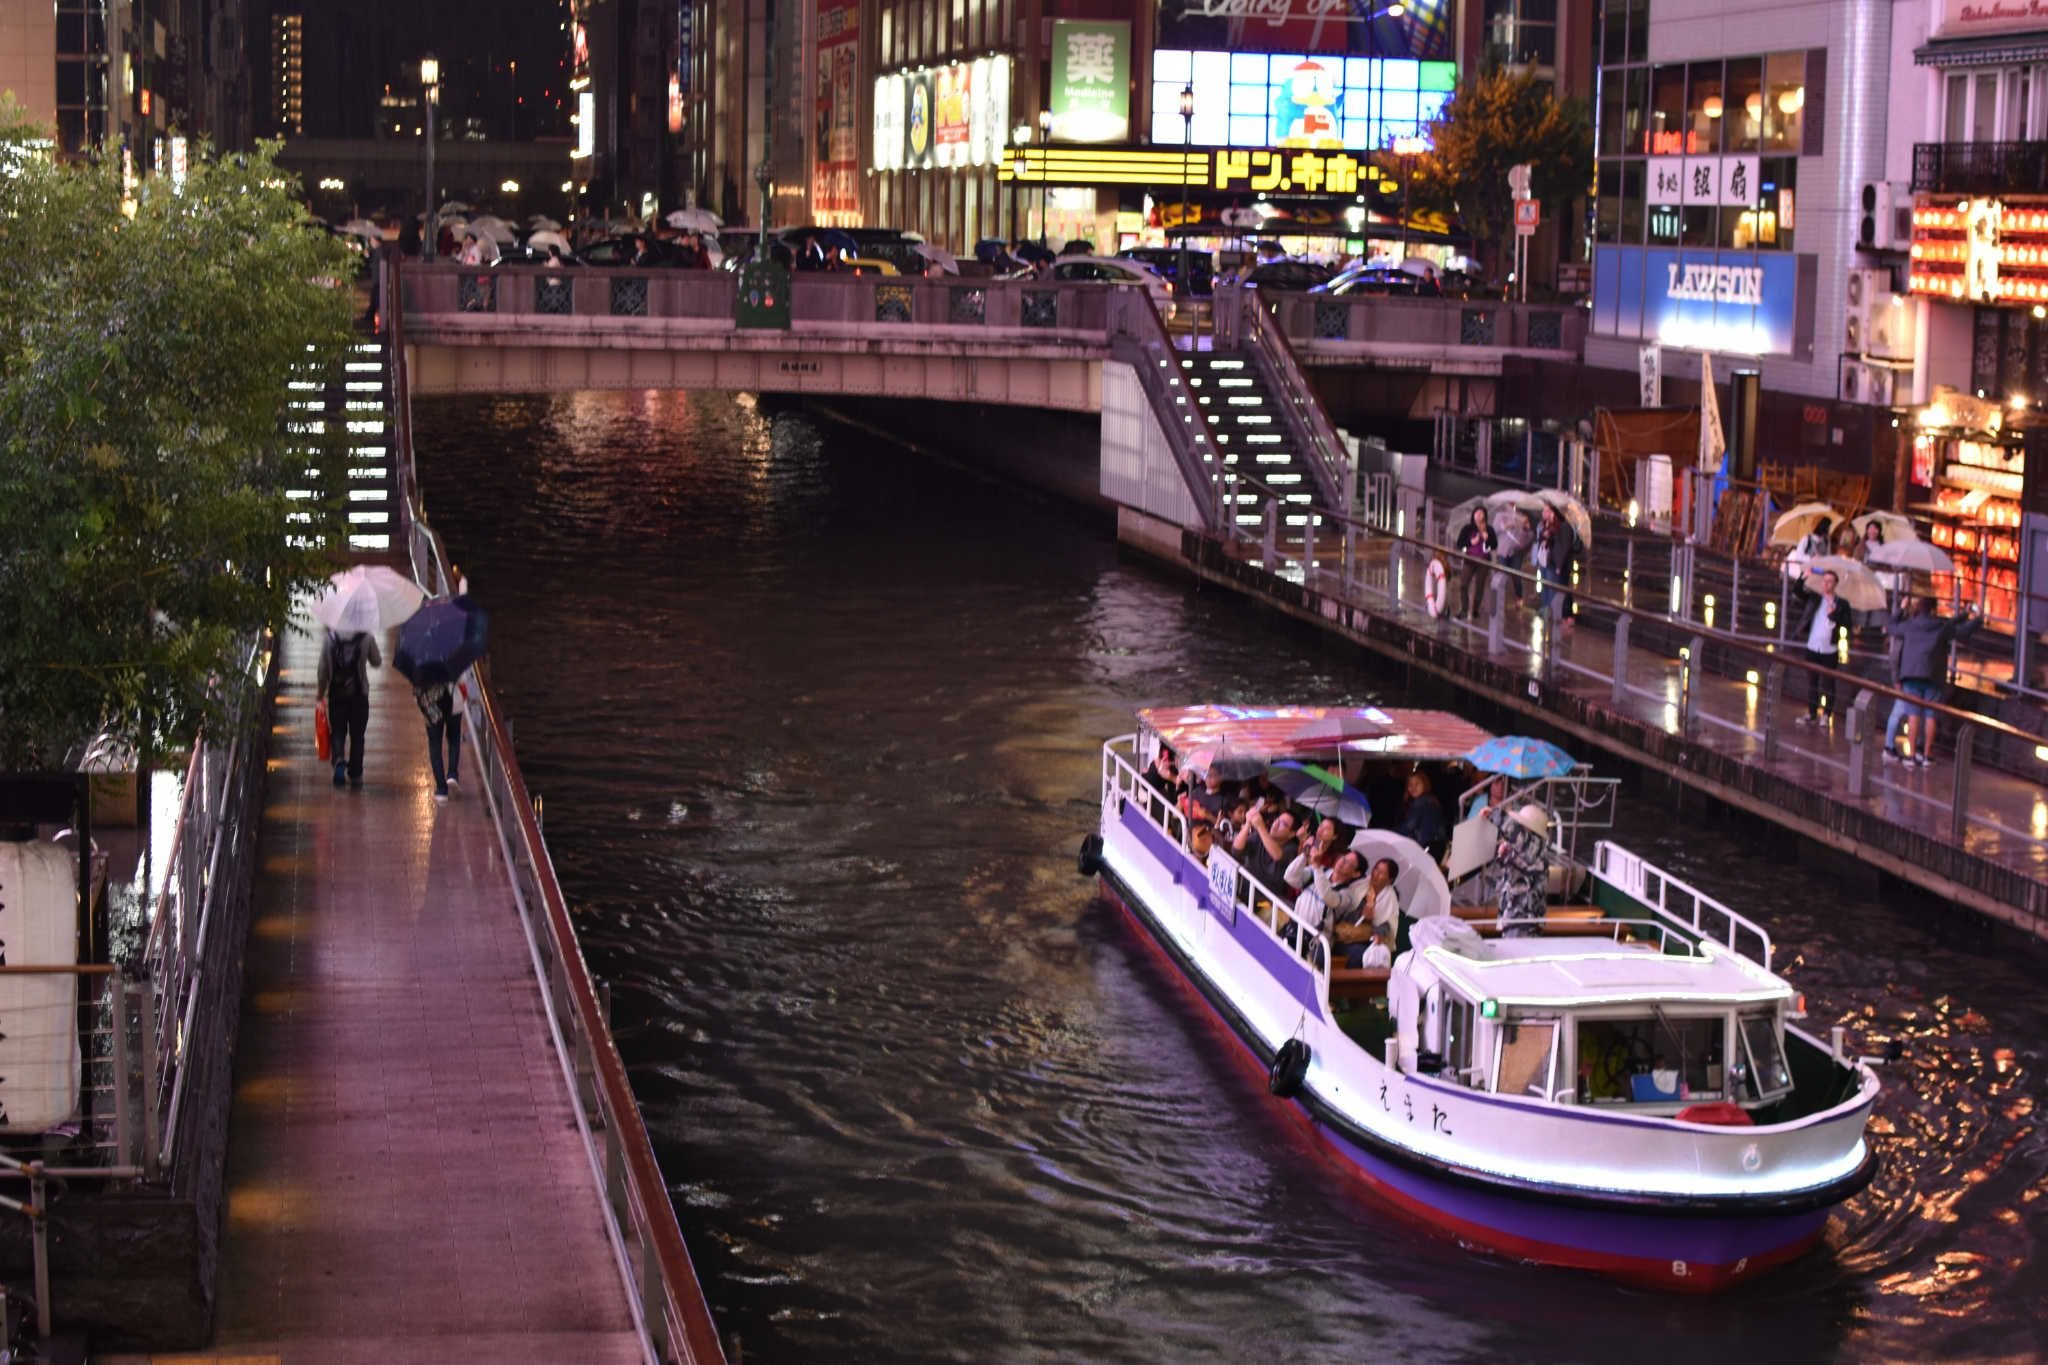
(1283, 171)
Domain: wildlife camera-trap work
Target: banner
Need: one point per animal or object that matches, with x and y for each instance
(835, 173)
(1091, 81)
(1650, 371)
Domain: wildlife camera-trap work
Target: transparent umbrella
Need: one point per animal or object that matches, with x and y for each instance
(366, 599)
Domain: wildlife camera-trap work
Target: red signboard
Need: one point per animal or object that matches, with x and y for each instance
(835, 166)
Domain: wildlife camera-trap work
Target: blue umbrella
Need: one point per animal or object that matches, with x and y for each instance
(440, 640)
(1518, 756)
(1322, 791)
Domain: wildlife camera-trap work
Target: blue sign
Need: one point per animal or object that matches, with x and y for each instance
(1742, 302)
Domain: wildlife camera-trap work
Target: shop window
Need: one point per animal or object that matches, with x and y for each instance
(1607, 204)
(1613, 33)
(1705, 110)
(1955, 118)
(1984, 107)
(1742, 119)
(1785, 102)
(1638, 30)
(1665, 222)
(1633, 177)
(1635, 110)
(1700, 225)
(1613, 120)
(1666, 132)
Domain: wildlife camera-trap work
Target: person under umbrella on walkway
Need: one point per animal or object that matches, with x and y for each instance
(344, 679)
(444, 730)
(435, 647)
(1478, 543)
(1557, 547)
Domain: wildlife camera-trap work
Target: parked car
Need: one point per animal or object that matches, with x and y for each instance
(896, 247)
(1384, 280)
(1166, 260)
(1285, 273)
(1112, 270)
(869, 265)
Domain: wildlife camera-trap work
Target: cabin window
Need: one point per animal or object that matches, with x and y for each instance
(1653, 1059)
(1458, 1038)
(1526, 1046)
(1768, 1074)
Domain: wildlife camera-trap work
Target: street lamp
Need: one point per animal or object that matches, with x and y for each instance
(1187, 134)
(1044, 136)
(1020, 136)
(430, 95)
(761, 178)
(1375, 95)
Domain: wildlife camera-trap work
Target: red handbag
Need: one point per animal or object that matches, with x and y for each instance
(323, 736)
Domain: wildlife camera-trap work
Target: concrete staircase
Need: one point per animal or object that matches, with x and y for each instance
(1251, 438)
(353, 402)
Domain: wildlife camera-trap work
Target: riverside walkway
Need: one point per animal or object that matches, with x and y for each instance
(405, 1177)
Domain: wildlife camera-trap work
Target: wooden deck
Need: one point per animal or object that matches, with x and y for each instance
(406, 1181)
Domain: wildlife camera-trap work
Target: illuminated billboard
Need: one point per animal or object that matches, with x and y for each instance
(1259, 99)
(957, 115)
(1091, 66)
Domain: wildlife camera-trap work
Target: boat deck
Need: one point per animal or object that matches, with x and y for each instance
(406, 1181)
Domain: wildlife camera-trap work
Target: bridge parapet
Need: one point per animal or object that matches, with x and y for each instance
(1457, 336)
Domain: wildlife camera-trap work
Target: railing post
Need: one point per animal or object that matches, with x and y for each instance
(1735, 594)
(152, 1156)
(1496, 614)
(1859, 747)
(1620, 689)
(1688, 681)
(1269, 536)
(124, 1132)
(1774, 683)
(1959, 799)
(1628, 571)
(39, 1229)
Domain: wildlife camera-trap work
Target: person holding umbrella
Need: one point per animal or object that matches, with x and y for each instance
(1924, 639)
(436, 645)
(346, 657)
(1822, 628)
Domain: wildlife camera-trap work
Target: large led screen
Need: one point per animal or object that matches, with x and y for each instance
(1260, 99)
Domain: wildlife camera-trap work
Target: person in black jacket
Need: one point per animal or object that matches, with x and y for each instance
(1822, 628)
(1477, 542)
(1556, 548)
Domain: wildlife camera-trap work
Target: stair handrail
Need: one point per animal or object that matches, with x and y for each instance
(1138, 337)
(1307, 420)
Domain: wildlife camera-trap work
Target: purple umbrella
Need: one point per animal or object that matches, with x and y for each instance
(440, 640)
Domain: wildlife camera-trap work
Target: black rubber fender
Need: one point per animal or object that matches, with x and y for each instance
(1090, 861)
(1290, 1066)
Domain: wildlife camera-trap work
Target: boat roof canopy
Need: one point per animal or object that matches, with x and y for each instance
(1567, 973)
(1277, 732)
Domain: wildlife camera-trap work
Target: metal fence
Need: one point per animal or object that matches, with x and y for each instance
(661, 1282)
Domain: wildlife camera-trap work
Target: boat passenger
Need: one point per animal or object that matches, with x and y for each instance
(1365, 908)
(1164, 774)
(1495, 794)
(1422, 818)
(1318, 853)
(1207, 801)
(1201, 838)
(1266, 846)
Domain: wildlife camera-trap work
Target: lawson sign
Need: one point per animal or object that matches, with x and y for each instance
(1743, 302)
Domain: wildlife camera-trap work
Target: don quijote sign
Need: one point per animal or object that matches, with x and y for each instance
(1965, 18)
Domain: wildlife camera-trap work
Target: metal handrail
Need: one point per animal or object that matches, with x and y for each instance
(654, 1260)
(1150, 352)
(1307, 420)
(1630, 874)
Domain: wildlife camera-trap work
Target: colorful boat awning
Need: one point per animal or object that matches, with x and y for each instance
(1278, 731)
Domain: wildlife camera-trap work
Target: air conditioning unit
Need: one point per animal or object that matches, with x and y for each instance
(1862, 287)
(1880, 226)
(1888, 327)
(1874, 384)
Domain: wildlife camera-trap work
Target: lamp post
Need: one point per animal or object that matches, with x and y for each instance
(1187, 134)
(1020, 136)
(430, 95)
(761, 178)
(1375, 103)
(1044, 137)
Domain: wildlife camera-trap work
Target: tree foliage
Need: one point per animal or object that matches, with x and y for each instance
(1494, 121)
(144, 456)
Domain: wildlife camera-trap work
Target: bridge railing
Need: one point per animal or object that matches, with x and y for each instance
(660, 1279)
(1330, 326)
(1139, 339)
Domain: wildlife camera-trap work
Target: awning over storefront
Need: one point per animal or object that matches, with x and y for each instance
(1991, 50)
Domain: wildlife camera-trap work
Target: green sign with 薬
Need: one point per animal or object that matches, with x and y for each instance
(1091, 81)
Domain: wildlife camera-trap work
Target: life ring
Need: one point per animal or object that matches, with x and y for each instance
(1290, 1067)
(1090, 861)
(1436, 587)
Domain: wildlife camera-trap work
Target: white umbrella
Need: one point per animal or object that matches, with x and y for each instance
(456, 206)
(362, 227)
(1523, 498)
(542, 240)
(940, 257)
(367, 598)
(1572, 510)
(540, 222)
(1915, 555)
(1791, 527)
(493, 227)
(694, 220)
(1895, 526)
(1855, 582)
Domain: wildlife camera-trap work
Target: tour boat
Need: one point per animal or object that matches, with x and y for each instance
(1617, 1087)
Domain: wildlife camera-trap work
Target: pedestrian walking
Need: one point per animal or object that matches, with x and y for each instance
(437, 705)
(1923, 637)
(344, 679)
(1478, 543)
(1822, 627)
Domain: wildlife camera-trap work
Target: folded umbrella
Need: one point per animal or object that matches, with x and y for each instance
(366, 599)
(440, 640)
(1521, 757)
(1322, 791)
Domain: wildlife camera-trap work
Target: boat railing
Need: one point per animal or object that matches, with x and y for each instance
(1122, 781)
(667, 1300)
(1680, 904)
(1616, 931)
(1576, 803)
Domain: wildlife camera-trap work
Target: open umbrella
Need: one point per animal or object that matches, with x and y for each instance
(1915, 555)
(366, 599)
(362, 227)
(694, 220)
(1322, 791)
(441, 639)
(1520, 757)
(1791, 527)
(540, 222)
(940, 257)
(1035, 253)
(1855, 582)
(1572, 510)
(543, 239)
(493, 227)
(1523, 499)
(1331, 733)
(1895, 527)
(1232, 765)
(455, 206)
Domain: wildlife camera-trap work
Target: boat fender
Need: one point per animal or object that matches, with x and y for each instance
(1090, 861)
(1290, 1068)
(1435, 587)
(1717, 1114)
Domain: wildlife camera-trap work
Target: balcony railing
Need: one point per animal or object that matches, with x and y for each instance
(1980, 168)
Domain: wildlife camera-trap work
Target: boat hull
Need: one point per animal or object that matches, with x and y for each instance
(1684, 1248)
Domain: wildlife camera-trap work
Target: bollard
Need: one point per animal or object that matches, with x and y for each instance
(1621, 626)
(1774, 683)
(1959, 807)
(1496, 615)
(1859, 748)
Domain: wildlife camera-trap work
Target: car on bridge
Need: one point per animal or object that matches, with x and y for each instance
(1381, 280)
(1286, 273)
(1115, 270)
(1166, 260)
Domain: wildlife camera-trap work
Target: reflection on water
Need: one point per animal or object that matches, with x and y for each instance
(818, 726)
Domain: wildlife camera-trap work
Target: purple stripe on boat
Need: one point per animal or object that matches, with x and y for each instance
(1274, 958)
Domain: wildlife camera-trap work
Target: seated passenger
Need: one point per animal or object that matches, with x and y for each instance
(1495, 793)
(1207, 799)
(1201, 838)
(1266, 846)
(1318, 853)
(1422, 817)
(1164, 774)
(1233, 821)
(1354, 904)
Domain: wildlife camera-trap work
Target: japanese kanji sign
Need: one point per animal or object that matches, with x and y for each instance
(1091, 81)
(1703, 180)
(1279, 170)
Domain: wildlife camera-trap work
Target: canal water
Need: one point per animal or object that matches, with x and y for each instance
(816, 722)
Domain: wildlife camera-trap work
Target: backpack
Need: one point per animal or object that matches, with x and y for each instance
(345, 666)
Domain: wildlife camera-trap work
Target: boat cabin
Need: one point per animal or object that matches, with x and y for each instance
(1577, 1021)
